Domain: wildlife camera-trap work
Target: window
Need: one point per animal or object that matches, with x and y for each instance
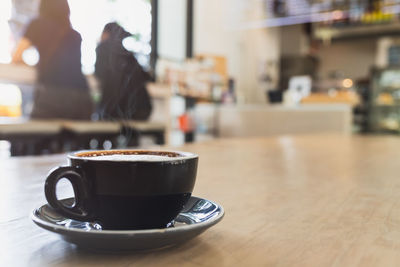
(7, 42)
(133, 15)
(88, 18)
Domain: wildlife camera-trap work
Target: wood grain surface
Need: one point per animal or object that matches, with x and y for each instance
(321, 200)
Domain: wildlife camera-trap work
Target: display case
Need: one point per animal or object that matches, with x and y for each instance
(384, 103)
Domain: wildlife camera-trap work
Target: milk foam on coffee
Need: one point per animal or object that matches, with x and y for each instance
(132, 157)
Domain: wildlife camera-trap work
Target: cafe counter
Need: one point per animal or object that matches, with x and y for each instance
(265, 120)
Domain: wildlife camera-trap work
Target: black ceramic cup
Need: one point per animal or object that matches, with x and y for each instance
(121, 190)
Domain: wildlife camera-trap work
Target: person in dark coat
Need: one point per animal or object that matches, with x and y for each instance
(61, 89)
(122, 79)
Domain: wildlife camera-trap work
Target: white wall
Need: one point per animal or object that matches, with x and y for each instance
(212, 33)
(217, 30)
(171, 36)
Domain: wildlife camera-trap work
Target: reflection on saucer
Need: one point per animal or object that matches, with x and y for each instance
(197, 216)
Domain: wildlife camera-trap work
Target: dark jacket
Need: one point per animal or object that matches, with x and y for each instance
(123, 83)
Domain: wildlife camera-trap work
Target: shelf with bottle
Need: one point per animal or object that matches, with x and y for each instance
(353, 31)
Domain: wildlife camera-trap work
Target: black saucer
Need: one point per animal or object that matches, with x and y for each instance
(197, 216)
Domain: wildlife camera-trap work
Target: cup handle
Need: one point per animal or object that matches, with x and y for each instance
(81, 191)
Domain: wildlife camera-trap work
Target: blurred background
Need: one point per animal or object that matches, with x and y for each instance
(227, 68)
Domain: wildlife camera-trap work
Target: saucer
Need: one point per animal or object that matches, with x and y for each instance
(197, 216)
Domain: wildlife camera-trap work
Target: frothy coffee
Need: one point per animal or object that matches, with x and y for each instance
(130, 158)
(130, 155)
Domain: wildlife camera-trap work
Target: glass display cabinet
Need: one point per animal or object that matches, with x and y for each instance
(384, 103)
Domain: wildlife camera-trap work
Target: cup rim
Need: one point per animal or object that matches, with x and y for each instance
(185, 155)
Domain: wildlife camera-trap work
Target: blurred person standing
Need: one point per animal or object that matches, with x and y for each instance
(61, 89)
(122, 79)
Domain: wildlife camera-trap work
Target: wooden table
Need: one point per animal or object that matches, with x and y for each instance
(290, 201)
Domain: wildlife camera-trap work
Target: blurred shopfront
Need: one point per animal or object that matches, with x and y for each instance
(220, 66)
(311, 52)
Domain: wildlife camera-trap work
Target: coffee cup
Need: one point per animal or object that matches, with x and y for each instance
(125, 189)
